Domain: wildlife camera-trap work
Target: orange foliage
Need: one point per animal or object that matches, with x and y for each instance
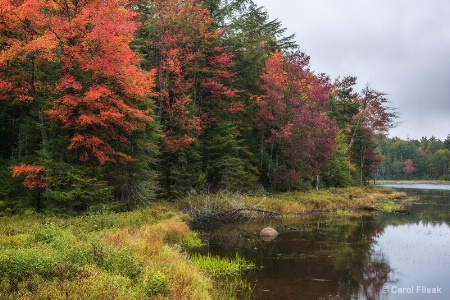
(34, 175)
(100, 86)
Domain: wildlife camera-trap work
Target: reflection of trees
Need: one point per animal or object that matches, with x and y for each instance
(435, 212)
(376, 274)
(363, 273)
(335, 248)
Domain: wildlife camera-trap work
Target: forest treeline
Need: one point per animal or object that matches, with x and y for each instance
(424, 159)
(122, 102)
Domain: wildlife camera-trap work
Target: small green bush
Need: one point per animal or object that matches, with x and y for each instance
(20, 264)
(156, 283)
(192, 240)
(103, 219)
(119, 261)
(52, 235)
(123, 262)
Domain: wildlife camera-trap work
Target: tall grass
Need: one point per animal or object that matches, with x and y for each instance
(102, 255)
(139, 254)
(221, 266)
(292, 202)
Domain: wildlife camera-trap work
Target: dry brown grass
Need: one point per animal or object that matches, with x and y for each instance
(302, 202)
(156, 247)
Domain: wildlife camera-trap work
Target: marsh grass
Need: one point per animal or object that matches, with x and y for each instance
(102, 255)
(221, 266)
(142, 254)
(293, 202)
(390, 206)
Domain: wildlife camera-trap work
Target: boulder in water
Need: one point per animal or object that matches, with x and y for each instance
(268, 234)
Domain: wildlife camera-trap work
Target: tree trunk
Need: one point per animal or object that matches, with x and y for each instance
(38, 104)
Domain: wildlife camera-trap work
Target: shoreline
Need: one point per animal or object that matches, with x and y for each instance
(141, 253)
(229, 206)
(412, 182)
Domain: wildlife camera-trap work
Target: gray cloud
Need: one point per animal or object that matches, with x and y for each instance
(400, 47)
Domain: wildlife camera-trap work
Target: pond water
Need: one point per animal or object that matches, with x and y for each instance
(420, 186)
(338, 256)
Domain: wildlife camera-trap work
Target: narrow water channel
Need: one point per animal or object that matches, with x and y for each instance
(338, 256)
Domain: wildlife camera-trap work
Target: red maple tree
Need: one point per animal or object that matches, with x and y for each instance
(408, 166)
(101, 85)
(193, 69)
(293, 117)
(34, 175)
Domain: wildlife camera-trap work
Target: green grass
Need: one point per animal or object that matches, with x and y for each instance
(142, 254)
(221, 266)
(102, 255)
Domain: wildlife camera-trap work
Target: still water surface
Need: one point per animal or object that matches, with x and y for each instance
(337, 256)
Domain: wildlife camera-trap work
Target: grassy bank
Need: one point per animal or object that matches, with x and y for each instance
(140, 254)
(355, 198)
(104, 255)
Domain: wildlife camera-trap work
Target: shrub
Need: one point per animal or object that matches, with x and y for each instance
(118, 261)
(192, 240)
(20, 264)
(52, 235)
(157, 283)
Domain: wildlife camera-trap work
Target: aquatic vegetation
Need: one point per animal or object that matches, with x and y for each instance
(221, 266)
(390, 206)
(141, 254)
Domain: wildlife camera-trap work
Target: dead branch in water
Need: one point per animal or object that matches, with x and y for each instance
(210, 219)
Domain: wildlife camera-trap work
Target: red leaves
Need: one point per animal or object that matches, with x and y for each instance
(95, 37)
(92, 146)
(236, 107)
(97, 95)
(6, 89)
(68, 82)
(293, 114)
(178, 143)
(408, 166)
(193, 70)
(34, 175)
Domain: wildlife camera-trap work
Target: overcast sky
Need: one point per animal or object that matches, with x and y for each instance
(400, 47)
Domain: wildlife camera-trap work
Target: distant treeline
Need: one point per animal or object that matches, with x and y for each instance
(122, 102)
(424, 159)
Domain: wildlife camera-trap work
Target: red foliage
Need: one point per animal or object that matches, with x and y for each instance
(292, 113)
(25, 41)
(34, 175)
(192, 70)
(94, 37)
(87, 42)
(408, 166)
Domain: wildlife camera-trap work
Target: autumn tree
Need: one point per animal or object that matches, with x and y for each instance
(26, 67)
(296, 134)
(181, 40)
(363, 119)
(408, 166)
(72, 60)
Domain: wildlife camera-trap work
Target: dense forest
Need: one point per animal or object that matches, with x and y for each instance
(424, 159)
(122, 102)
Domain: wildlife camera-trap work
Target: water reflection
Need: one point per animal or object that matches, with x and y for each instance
(336, 256)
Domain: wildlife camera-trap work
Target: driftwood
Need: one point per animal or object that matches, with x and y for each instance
(402, 211)
(208, 220)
